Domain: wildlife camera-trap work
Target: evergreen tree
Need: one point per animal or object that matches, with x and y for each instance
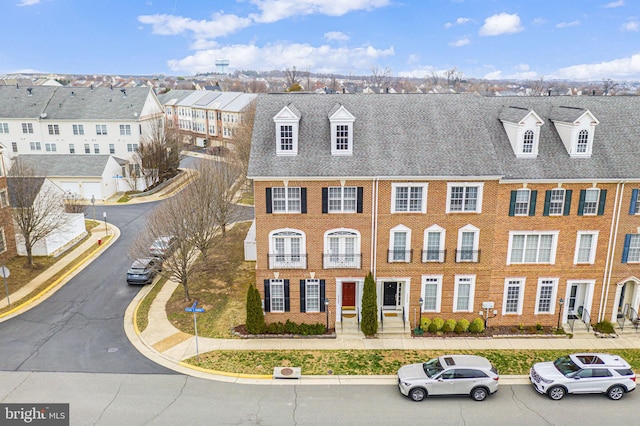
(369, 323)
(255, 318)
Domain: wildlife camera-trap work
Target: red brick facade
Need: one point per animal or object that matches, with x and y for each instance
(7, 233)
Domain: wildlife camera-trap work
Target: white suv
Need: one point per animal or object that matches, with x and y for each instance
(583, 373)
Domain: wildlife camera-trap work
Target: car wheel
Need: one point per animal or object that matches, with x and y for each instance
(556, 393)
(479, 394)
(615, 392)
(418, 394)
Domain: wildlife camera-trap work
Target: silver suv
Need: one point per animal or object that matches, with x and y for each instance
(449, 375)
(584, 373)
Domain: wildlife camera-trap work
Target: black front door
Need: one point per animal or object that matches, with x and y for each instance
(389, 293)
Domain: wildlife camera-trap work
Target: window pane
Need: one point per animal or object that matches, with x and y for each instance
(463, 296)
(402, 199)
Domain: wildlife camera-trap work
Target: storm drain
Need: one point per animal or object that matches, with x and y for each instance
(287, 372)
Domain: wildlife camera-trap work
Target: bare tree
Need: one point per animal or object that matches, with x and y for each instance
(293, 76)
(380, 78)
(37, 206)
(74, 203)
(538, 87)
(158, 154)
(435, 79)
(242, 140)
(608, 85)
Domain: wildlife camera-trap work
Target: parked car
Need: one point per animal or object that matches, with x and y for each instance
(449, 375)
(583, 373)
(163, 246)
(143, 270)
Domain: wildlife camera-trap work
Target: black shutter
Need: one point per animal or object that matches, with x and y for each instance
(512, 203)
(601, 201)
(634, 201)
(303, 288)
(287, 302)
(269, 201)
(583, 194)
(267, 296)
(532, 203)
(625, 250)
(303, 200)
(547, 201)
(567, 202)
(325, 200)
(322, 295)
(359, 201)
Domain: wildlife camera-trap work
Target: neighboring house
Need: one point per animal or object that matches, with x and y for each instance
(82, 121)
(73, 227)
(97, 176)
(459, 201)
(7, 234)
(209, 116)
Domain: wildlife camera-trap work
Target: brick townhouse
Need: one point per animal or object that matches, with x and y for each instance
(527, 207)
(7, 235)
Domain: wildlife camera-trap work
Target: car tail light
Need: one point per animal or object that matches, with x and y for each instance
(496, 378)
(633, 378)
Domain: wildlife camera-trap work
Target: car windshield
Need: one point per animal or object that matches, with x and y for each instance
(432, 367)
(136, 270)
(566, 366)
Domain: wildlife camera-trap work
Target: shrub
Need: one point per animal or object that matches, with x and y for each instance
(476, 326)
(291, 327)
(449, 325)
(439, 322)
(255, 318)
(275, 328)
(458, 328)
(538, 326)
(369, 325)
(464, 323)
(604, 327)
(433, 328)
(424, 323)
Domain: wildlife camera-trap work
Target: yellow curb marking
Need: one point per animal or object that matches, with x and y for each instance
(224, 373)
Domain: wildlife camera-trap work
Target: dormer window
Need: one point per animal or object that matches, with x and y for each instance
(576, 128)
(287, 124)
(583, 142)
(341, 131)
(523, 130)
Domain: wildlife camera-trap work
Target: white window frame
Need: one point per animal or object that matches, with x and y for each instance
(407, 250)
(4, 198)
(78, 129)
(125, 130)
(289, 199)
(50, 147)
(4, 127)
(308, 283)
(290, 258)
(341, 119)
(72, 148)
(592, 248)
(476, 243)
(409, 186)
(286, 117)
(465, 185)
(101, 130)
(432, 230)
(531, 142)
(53, 129)
(516, 209)
(593, 207)
(472, 289)
(634, 249)
(132, 147)
(432, 280)
(556, 207)
(527, 235)
(509, 283)
(543, 282)
(3, 240)
(342, 199)
(279, 284)
(342, 259)
(35, 146)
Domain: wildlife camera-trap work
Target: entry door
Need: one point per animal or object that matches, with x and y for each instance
(390, 293)
(575, 302)
(349, 295)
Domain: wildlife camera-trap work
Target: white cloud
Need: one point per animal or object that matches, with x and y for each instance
(522, 67)
(528, 75)
(632, 25)
(614, 4)
(539, 21)
(336, 36)
(623, 68)
(502, 23)
(459, 21)
(461, 42)
(323, 59)
(493, 75)
(220, 25)
(412, 59)
(28, 2)
(276, 10)
(568, 24)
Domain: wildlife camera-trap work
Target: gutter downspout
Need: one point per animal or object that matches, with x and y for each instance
(374, 226)
(613, 237)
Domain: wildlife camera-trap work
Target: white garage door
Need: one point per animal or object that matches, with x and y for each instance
(70, 187)
(92, 189)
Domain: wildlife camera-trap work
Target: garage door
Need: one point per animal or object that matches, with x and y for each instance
(92, 189)
(70, 187)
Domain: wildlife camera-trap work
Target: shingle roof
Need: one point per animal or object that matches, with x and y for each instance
(23, 190)
(56, 165)
(445, 136)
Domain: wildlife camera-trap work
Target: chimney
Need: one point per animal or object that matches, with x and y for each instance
(29, 90)
(549, 92)
(593, 92)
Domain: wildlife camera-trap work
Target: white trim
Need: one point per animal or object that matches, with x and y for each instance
(472, 289)
(392, 232)
(515, 282)
(476, 243)
(441, 245)
(554, 296)
(342, 255)
(479, 185)
(341, 117)
(409, 185)
(438, 284)
(592, 249)
(554, 246)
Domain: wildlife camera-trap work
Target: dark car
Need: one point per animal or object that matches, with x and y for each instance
(143, 270)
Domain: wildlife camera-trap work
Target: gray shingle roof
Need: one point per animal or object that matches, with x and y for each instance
(57, 165)
(445, 136)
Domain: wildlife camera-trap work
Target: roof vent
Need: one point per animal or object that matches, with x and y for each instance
(43, 115)
(73, 94)
(17, 86)
(124, 93)
(29, 90)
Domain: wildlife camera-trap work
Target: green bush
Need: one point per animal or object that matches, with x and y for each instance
(433, 328)
(449, 325)
(255, 318)
(604, 327)
(424, 323)
(291, 327)
(476, 326)
(439, 322)
(458, 328)
(369, 325)
(275, 328)
(464, 324)
(538, 326)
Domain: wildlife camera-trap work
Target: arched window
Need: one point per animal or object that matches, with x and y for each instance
(342, 249)
(527, 144)
(583, 141)
(287, 249)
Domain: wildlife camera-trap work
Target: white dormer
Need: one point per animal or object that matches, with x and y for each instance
(341, 131)
(523, 129)
(287, 127)
(576, 128)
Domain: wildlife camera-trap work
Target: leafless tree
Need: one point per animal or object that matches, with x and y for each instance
(454, 78)
(293, 76)
(37, 206)
(74, 203)
(608, 85)
(242, 140)
(538, 87)
(158, 154)
(380, 78)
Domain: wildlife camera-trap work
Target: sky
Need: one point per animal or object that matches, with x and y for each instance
(584, 40)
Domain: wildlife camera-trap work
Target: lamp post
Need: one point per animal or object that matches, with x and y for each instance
(326, 309)
(420, 302)
(106, 231)
(560, 302)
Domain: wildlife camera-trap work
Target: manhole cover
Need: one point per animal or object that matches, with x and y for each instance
(286, 371)
(111, 350)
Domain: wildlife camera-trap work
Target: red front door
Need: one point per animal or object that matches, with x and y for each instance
(348, 294)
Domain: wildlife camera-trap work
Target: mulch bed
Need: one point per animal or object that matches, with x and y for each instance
(498, 331)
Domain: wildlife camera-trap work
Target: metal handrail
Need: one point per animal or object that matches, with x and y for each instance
(586, 318)
(341, 321)
(633, 317)
(571, 321)
(404, 321)
(381, 320)
(620, 319)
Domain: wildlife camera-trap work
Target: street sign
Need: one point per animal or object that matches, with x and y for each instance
(194, 309)
(4, 272)
(195, 323)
